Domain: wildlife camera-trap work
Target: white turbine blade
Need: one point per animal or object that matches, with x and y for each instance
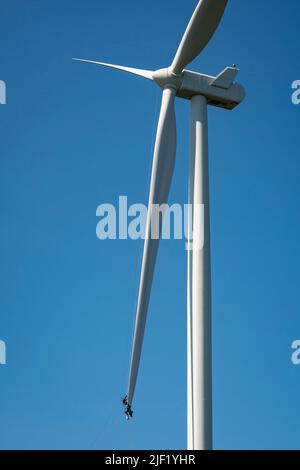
(142, 73)
(201, 27)
(161, 177)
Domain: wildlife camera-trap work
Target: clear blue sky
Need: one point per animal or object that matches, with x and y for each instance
(74, 136)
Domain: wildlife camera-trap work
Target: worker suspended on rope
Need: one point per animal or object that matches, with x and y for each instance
(128, 410)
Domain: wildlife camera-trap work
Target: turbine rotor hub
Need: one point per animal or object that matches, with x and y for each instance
(165, 78)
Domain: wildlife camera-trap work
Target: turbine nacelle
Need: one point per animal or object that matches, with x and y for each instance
(220, 91)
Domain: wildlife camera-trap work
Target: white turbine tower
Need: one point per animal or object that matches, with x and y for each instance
(202, 90)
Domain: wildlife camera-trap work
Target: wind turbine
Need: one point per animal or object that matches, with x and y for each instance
(202, 90)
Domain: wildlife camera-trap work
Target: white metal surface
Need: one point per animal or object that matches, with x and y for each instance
(226, 78)
(199, 288)
(199, 31)
(190, 407)
(194, 83)
(161, 177)
(140, 72)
